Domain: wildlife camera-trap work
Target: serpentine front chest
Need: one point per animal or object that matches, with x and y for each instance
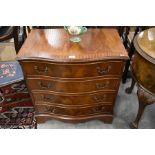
(73, 81)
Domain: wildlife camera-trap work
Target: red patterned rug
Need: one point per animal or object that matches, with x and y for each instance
(16, 107)
(18, 118)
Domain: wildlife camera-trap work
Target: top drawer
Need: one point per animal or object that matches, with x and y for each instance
(72, 70)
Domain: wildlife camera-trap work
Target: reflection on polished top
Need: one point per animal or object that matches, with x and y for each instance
(54, 44)
(146, 42)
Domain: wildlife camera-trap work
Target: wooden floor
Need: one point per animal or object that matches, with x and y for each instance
(7, 51)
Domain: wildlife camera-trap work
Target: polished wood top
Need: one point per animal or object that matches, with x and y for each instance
(54, 45)
(145, 44)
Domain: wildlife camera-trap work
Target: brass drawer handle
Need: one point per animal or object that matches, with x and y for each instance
(49, 85)
(103, 71)
(50, 109)
(102, 108)
(48, 98)
(98, 109)
(102, 85)
(41, 71)
(100, 98)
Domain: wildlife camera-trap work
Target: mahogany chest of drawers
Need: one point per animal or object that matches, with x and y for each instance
(73, 81)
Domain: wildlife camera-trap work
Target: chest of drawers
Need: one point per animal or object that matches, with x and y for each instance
(73, 81)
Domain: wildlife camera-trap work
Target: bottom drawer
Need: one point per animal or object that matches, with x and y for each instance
(74, 111)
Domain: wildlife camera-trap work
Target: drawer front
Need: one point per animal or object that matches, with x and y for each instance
(47, 109)
(72, 70)
(83, 99)
(73, 86)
